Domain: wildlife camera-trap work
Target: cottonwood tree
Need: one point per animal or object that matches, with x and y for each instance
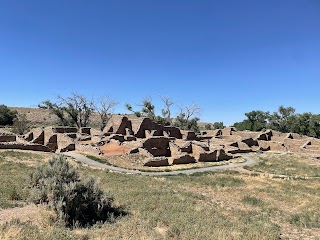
(6, 115)
(147, 109)
(166, 110)
(187, 118)
(283, 120)
(74, 110)
(105, 108)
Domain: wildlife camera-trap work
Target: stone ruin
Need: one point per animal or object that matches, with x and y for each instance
(49, 139)
(160, 145)
(164, 146)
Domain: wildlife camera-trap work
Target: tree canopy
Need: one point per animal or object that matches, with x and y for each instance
(284, 120)
(7, 116)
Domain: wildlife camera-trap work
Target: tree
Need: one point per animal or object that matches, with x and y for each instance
(256, 121)
(314, 126)
(186, 120)
(6, 115)
(218, 125)
(57, 110)
(283, 120)
(214, 126)
(77, 108)
(166, 111)
(243, 125)
(105, 108)
(147, 109)
(21, 124)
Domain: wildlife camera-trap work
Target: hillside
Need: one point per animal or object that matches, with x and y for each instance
(43, 117)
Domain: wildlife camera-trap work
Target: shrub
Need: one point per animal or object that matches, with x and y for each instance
(252, 200)
(14, 195)
(6, 115)
(77, 203)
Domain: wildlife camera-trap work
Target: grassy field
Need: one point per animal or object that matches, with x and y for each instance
(221, 205)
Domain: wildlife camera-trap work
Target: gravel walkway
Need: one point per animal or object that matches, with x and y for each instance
(95, 164)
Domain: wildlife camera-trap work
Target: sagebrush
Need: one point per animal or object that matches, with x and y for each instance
(75, 202)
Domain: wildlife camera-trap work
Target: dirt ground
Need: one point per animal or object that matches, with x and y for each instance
(112, 149)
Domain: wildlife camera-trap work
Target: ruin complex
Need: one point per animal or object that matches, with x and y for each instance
(161, 145)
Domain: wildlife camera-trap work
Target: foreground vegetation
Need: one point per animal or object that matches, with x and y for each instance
(222, 205)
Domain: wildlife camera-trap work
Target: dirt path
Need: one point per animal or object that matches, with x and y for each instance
(95, 164)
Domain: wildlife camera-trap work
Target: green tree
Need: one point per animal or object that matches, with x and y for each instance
(256, 121)
(187, 119)
(147, 109)
(284, 120)
(187, 124)
(74, 110)
(218, 125)
(6, 115)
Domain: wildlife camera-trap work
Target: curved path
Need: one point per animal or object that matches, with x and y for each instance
(95, 164)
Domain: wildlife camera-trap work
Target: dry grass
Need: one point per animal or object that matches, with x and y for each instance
(222, 205)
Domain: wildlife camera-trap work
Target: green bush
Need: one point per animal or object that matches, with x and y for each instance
(77, 203)
(6, 115)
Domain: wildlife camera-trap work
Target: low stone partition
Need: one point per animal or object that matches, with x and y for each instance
(85, 130)
(70, 147)
(20, 146)
(8, 138)
(64, 130)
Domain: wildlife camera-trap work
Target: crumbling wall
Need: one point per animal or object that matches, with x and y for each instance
(140, 125)
(52, 142)
(173, 132)
(188, 135)
(39, 139)
(182, 159)
(8, 138)
(64, 129)
(156, 162)
(157, 146)
(20, 146)
(85, 130)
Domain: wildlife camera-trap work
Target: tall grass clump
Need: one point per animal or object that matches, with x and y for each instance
(76, 202)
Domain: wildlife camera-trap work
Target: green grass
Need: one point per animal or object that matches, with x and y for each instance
(100, 160)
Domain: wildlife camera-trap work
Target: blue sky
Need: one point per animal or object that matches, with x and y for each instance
(230, 57)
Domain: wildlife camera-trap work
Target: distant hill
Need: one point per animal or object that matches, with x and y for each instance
(42, 117)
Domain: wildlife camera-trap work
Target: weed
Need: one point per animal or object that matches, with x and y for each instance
(252, 200)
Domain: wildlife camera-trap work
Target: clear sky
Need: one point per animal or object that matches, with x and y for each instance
(230, 57)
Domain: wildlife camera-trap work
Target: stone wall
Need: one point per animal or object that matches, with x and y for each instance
(31, 147)
(7, 138)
